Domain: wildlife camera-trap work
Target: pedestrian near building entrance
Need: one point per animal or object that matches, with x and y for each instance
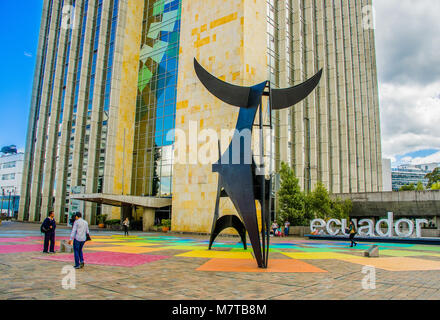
(78, 236)
(126, 225)
(48, 228)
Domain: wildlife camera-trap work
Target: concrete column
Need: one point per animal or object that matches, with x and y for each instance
(81, 114)
(332, 98)
(375, 90)
(31, 131)
(358, 99)
(311, 103)
(66, 126)
(341, 93)
(283, 80)
(364, 97)
(350, 101)
(148, 218)
(40, 144)
(297, 130)
(323, 88)
(95, 121)
(376, 152)
(53, 125)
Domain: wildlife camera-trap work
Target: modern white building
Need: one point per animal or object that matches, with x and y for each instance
(386, 175)
(407, 174)
(11, 170)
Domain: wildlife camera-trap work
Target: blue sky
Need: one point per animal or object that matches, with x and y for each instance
(19, 28)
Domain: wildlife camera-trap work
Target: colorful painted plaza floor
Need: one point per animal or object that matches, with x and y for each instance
(168, 266)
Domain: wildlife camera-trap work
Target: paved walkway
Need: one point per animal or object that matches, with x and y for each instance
(169, 266)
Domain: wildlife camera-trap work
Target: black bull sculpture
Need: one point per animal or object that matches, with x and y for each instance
(238, 177)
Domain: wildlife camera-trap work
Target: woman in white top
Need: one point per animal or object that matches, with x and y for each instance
(126, 224)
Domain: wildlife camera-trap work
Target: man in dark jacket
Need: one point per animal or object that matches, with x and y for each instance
(49, 225)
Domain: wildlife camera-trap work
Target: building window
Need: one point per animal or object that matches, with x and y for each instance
(12, 164)
(10, 176)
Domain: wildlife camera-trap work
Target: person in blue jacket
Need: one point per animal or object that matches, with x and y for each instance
(48, 227)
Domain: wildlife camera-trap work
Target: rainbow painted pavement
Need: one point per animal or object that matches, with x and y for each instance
(287, 255)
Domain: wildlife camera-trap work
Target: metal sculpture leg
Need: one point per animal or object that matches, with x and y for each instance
(229, 222)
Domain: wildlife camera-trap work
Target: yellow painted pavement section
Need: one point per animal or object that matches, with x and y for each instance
(318, 255)
(186, 248)
(217, 254)
(407, 253)
(126, 249)
(104, 240)
(134, 244)
(396, 263)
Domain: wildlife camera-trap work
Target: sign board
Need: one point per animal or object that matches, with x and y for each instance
(75, 205)
(367, 227)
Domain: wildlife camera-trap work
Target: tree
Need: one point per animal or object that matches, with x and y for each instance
(291, 200)
(410, 187)
(341, 209)
(435, 186)
(299, 207)
(433, 177)
(319, 202)
(420, 186)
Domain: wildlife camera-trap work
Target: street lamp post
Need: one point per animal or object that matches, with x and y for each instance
(9, 202)
(3, 195)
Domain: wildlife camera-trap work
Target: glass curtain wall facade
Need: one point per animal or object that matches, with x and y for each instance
(156, 101)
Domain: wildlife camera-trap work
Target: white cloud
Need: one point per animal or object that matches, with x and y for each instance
(433, 158)
(408, 46)
(410, 117)
(28, 54)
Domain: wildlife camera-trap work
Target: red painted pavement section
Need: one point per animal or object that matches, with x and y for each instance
(108, 258)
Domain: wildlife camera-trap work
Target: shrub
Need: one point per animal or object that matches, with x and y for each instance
(113, 222)
(102, 218)
(290, 198)
(166, 223)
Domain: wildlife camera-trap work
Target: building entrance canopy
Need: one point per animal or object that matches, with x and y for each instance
(123, 200)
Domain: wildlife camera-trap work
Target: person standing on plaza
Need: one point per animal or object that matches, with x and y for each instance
(274, 228)
(48, 227)
(126, 225)
(286, 228)
(352, 232)
(79, 234)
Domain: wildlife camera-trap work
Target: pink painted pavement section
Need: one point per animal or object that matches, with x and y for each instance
(17, 248)
(115, 259)
(14, 240)
(42, 238)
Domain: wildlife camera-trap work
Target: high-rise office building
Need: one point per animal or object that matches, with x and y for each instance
(112, 80)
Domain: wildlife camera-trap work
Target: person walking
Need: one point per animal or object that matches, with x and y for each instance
(126, 225)
(352, 232)
(48, 228)
(78, 236)
(286, 228)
